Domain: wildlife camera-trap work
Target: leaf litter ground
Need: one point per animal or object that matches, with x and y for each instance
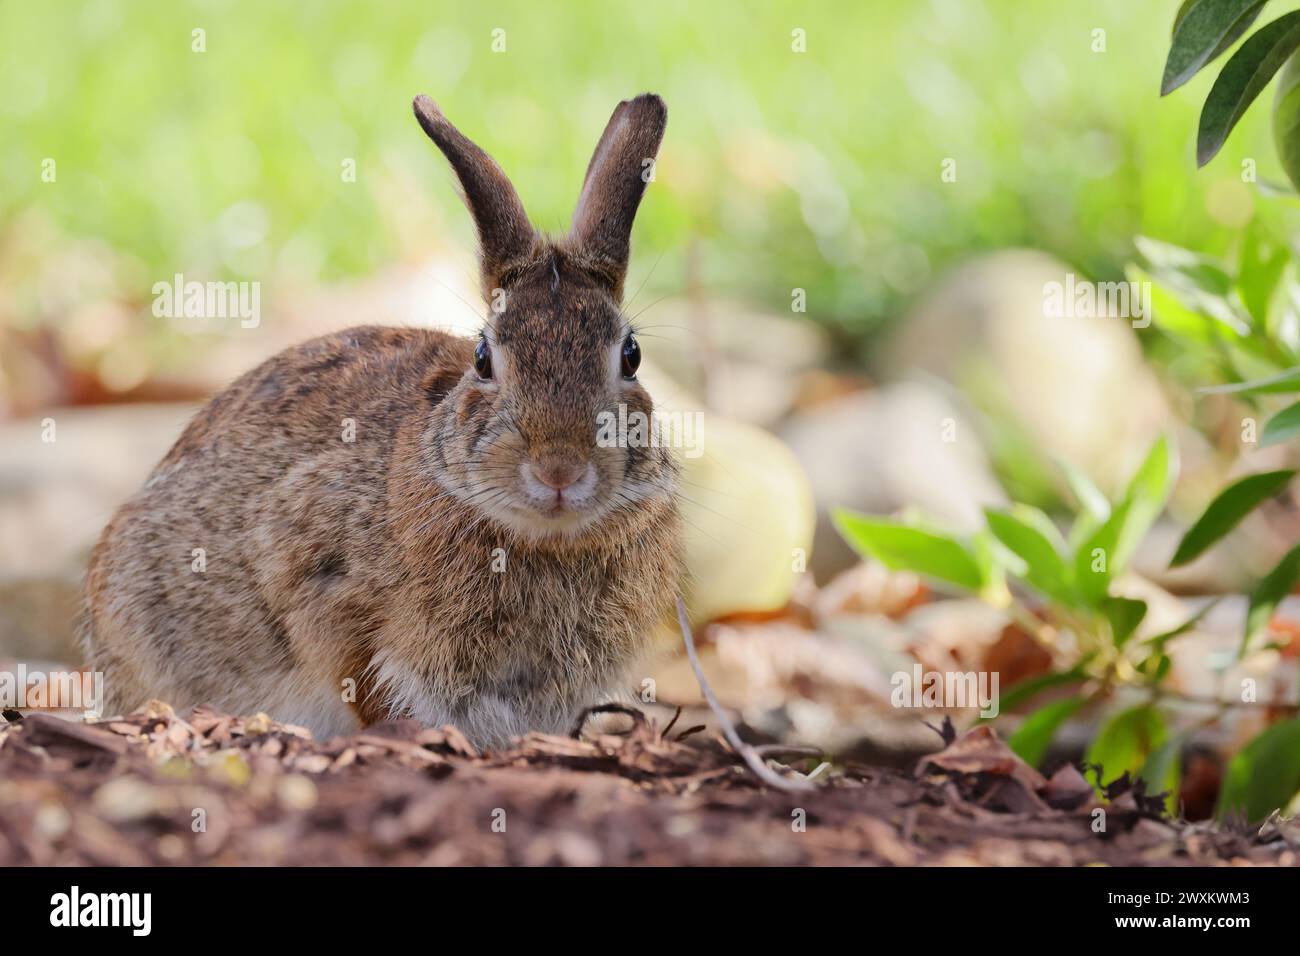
(156, 787)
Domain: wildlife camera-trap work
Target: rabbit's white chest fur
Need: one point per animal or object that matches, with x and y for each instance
(526, 650)
(488, 719)
(512, 695)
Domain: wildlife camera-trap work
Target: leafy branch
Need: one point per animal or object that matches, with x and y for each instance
(1064, 584)
(1204, 30)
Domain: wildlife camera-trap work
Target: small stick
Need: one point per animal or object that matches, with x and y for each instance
(671, 724)
(746, 752)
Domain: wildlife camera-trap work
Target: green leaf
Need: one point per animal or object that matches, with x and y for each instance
(1031, 536)
(1195, 297)
(1094, 563)
(1127, 741)
(1260, 267)
(1146, 495)
(1191, 314)
(1242, 79)
(1276, 189)
(1264, 775)
(1158, 641)
(1104, 553)
(989, 559)
(1032, 686)
(1268, 594)
(1035, 734)
(1170, 314)
(1124, 614)
(1286, 118)
(901, 547)
(1094, 508)
(1183, 268)
(1288, 381)
(1283, 426)
(1226, 511)
(1163, 771)
(1154, 668)
(1088, 495)
(1202, 30)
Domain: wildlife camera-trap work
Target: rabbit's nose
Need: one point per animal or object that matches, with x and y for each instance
(557, 473)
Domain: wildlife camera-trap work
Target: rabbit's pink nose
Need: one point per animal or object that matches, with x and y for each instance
(558, 473)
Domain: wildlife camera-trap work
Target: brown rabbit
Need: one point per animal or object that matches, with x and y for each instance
(398, 522)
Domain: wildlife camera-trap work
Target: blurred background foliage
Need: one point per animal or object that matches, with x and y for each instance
(817, 170)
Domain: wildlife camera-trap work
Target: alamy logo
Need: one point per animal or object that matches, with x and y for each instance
(1080, 299)
(179, 299)
(636, 429)
(103, 909)
(80, 690)
(946, 690)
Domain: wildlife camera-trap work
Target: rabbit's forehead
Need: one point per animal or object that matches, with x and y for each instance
(546, 349)
(565, 314)
(566, 326)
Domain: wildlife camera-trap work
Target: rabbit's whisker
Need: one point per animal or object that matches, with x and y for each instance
(646, 279)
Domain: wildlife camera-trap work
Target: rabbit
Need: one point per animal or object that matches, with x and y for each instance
(472, 556)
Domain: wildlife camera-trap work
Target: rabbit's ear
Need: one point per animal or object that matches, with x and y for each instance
(616, 178)
(504, 232)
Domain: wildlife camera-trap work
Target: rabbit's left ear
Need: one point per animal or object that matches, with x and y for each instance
(616, 179)
(505, 234)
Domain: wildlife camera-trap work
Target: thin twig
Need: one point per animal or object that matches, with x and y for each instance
(746, 752)
(671, 724)
(689, 732)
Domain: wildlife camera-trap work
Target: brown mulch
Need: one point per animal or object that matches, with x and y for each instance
(208, 788)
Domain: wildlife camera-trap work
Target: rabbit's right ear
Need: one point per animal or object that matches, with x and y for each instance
(504, 232)
(616, 179)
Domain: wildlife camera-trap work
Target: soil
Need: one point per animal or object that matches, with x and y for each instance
(208, 788)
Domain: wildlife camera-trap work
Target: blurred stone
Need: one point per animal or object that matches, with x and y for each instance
(747, 512)
(883, 450)
(1079, 390)
(1079, 387)
(56, 496)
(960, 635)
(869, 588)
(749, 365)
(38, 617)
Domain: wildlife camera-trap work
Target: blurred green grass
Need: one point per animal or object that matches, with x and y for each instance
(818, 170)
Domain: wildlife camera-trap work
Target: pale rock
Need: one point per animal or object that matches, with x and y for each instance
(887, 449)
(1078, 386)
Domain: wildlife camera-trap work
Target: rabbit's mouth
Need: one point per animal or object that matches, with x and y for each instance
(545, 503)
(549, 520)
(553, 490)
(562, 498)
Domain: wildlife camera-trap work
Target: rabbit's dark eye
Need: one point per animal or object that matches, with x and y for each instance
(483, 360)
(631, 357)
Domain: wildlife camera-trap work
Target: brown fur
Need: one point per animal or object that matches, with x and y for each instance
(350, 581)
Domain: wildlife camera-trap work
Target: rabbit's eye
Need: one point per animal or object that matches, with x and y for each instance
(631, 357)
(483, 360)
